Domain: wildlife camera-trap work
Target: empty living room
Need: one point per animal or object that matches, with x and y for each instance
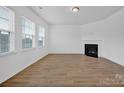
(61, 46)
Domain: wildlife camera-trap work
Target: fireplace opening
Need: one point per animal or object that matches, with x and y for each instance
(91, 50)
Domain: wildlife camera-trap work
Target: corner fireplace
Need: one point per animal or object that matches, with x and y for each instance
(91, 50)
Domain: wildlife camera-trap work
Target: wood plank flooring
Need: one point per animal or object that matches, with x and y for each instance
(64, 70)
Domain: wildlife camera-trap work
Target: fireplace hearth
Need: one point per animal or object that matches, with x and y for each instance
(91, 50)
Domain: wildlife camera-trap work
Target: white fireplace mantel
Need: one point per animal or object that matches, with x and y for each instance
(99, 42)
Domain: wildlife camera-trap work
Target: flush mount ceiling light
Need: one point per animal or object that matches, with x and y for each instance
(40, 7)
(75, 9)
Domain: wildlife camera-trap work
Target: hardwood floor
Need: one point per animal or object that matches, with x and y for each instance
(69, 70)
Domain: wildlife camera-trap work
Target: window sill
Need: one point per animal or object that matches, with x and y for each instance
(27, 49)
(40, 47)
(8, 53)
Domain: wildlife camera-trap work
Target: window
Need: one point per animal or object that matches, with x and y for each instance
(41, 37)
(4, 41)
(6, 30)
(28, 33)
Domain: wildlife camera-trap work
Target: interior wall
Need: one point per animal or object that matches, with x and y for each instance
(13, 63)
(69, 39)
(65, 39)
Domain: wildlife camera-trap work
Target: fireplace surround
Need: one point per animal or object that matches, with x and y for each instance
(93, 41)
(91, 50)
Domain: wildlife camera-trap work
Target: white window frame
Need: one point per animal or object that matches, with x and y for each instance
(33, 35)
(11, 30)
(40, 28)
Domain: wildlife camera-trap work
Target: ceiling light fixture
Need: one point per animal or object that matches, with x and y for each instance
(75, 9)
(40, 7)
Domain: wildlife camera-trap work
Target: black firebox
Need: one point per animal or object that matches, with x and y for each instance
(91, 50)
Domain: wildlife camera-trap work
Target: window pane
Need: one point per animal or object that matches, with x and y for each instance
(4, 41)
(27, 41)
(4, 24)
(41, 32)
(4, 13)
(41, 35)
(40, 41)
(4, 18)
(27, 26)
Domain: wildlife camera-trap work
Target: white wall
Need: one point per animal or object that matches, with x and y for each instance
(13, 63)
(69, 39)
(65, 39)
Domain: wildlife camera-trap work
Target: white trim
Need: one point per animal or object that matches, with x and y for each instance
(11, 20)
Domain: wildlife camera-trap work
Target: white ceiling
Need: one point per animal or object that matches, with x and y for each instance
(62, 15)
